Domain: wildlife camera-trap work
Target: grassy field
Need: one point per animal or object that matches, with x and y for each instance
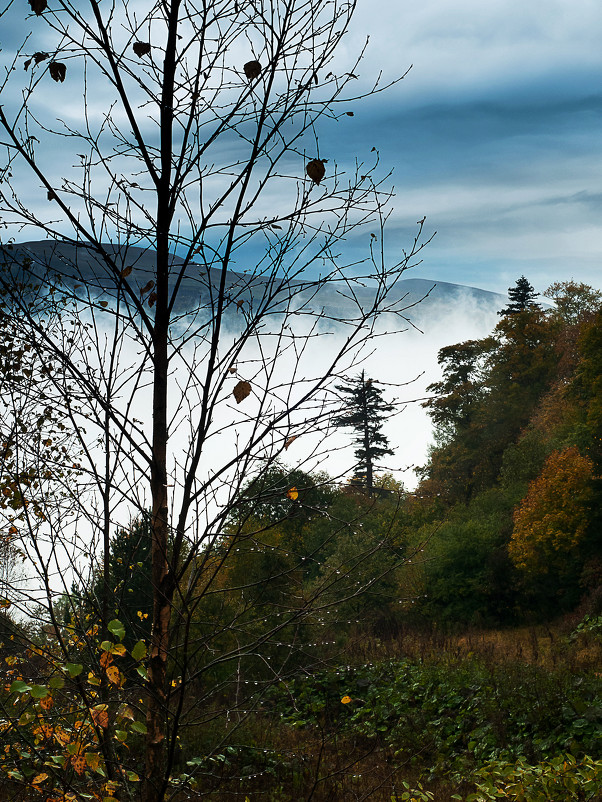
(513, 714)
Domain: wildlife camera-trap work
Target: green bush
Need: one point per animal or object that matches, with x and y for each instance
(448, 718)
(561, 779)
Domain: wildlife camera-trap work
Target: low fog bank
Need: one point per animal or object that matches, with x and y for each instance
(409, 358)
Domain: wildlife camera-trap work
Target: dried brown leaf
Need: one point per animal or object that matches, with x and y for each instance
(241, 391)
(147, 287)
(252, 70)
(290, 441)
(38, 6)
(315, 170)
(141, 48)
(57, 71)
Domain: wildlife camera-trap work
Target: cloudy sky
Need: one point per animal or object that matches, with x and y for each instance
(495, 135)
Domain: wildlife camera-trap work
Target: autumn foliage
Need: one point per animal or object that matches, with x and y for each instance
(553, 517)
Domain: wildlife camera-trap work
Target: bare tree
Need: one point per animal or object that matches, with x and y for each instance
(192, 230)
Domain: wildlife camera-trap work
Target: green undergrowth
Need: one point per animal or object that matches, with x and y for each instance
(449, 719)
(558, 780)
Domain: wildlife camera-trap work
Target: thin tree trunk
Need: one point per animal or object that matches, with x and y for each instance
(162, 582)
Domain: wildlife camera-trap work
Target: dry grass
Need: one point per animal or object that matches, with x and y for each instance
(547, 646)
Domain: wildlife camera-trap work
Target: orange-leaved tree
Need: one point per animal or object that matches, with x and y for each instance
(552, 519)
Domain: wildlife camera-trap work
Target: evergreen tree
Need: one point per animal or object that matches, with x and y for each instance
(521, 298)
(130, 579)
(365, 412)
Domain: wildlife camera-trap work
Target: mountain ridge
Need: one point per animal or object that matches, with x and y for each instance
(415, 297)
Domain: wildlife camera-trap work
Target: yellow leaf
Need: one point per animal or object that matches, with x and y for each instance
(113, 675)
(39, 778)
(293, 493)
(345, 700)
(93, 760)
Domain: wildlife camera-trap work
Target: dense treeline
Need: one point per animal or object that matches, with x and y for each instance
(511, 491)
(503, 528)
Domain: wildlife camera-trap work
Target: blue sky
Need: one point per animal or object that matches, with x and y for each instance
(495, 135)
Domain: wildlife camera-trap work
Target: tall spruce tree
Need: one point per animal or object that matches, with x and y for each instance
(521, 297)
(365, 412)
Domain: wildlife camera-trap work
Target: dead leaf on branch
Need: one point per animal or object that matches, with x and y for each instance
(252, 70)
(52, 195)
(100, 716)
(290, 441)
(126, 271)
(141, 48)
(106, 658)
(79, 764)
(38, 6)
(315, 170)
(152, 298)
(37, 57)
(57, 71)
(241, 391)
(147, 287)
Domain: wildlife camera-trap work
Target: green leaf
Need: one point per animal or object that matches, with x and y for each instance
(106, 645)
(139, 726)
(15, 775)
(142, 671)
(39, 691)
(139, 650)
(133, 777)
(74, 669)
(116, 628)
(57, 682)
(121, 735)
(19, 686)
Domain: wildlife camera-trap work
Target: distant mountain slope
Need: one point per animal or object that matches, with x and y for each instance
(419, 296)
